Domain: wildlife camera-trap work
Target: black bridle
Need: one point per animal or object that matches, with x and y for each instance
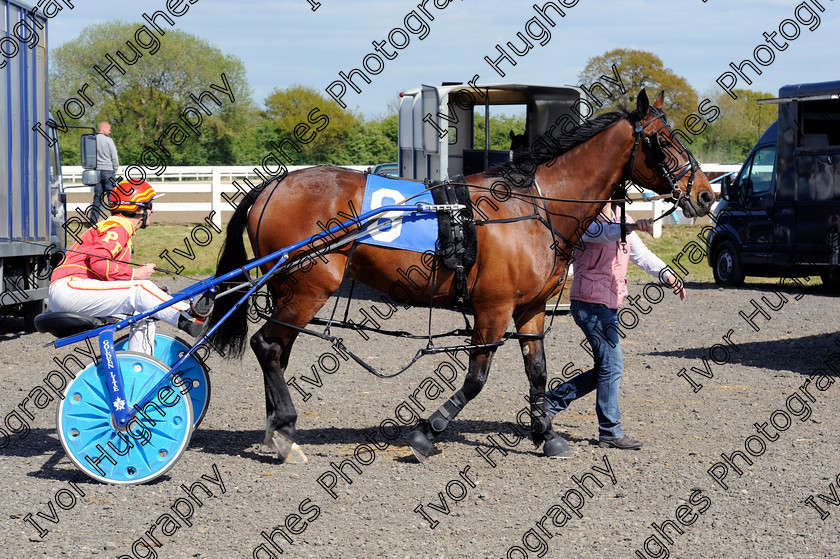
(672, 173)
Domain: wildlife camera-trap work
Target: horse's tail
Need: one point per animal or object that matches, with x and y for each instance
(229, 338)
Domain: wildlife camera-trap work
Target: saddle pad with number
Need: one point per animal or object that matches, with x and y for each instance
(415, 231)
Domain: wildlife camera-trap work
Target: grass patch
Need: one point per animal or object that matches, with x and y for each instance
(666, 247)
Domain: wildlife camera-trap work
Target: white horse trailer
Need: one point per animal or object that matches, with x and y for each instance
(436, 124)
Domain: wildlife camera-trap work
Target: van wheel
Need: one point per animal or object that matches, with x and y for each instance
(831, 280)
(30, 311)
(727, 268)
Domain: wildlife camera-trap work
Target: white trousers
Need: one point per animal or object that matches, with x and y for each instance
(108, 298)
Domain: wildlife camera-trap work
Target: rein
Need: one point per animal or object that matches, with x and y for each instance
(161, 270)
(676, 196)
(572, 200)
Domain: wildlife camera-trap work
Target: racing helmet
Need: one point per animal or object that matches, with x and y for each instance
(131, 197)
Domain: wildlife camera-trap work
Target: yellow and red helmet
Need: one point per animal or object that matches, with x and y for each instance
(131, 197)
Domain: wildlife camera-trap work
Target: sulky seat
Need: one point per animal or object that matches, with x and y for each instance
(63, 324)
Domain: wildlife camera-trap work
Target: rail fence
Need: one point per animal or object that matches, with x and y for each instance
(194, 193)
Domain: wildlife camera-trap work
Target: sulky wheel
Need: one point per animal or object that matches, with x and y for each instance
(152, 441)
(170, 349)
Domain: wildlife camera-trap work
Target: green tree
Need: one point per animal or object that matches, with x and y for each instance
(500, 127)
(741, 122)
(141, 103)
(287, 108)
(369, 143)
(641, 69)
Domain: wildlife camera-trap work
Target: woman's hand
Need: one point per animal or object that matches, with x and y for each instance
(644, 225)
(678, 286)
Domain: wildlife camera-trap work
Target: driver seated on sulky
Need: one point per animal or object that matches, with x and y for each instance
(96, 278)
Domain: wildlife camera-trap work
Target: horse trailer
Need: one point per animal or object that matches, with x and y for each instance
(437, 125)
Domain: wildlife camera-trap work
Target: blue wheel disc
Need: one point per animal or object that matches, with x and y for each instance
(153, 440)
(170, 349)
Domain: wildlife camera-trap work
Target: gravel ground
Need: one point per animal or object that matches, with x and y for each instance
(514, 502)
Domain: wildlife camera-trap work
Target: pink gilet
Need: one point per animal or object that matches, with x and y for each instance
(601, 273)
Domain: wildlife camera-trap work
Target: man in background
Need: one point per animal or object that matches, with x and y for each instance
(107, 163)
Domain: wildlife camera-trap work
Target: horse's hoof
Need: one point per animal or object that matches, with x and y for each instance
(288, 451)
(296, 456)
(557, 448)
(420, 445)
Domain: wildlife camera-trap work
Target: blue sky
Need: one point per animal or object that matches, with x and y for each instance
(284, 42)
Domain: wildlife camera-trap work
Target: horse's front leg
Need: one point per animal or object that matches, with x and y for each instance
(281, 417)
(531, 327)
(488, 329)
(533, 351)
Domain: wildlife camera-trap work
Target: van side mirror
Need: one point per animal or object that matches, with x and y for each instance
(90, 176)
(725, 187)
(89, 151)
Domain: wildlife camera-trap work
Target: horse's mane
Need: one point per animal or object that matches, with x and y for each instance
(527, 158)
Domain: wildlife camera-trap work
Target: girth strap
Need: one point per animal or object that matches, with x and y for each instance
(456, 231)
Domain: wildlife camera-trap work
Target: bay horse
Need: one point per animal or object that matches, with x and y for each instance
(520, 264)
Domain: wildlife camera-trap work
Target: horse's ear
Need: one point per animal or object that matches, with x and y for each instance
(642, 103)
(660, 100)
(512, 135)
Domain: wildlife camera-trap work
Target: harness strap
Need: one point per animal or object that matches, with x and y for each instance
(571, 200)
(669, 212)
(536, 215)
(420, 353)
(508, 219)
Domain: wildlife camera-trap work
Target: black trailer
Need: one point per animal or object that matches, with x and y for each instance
(780, 216)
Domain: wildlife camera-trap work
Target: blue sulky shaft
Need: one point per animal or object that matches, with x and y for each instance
(211, 282)
(281, 256)
(174, 370)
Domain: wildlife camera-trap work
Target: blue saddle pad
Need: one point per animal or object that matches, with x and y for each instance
(415, 231)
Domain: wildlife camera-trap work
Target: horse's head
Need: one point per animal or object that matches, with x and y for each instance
(518, 141)
(663, 164)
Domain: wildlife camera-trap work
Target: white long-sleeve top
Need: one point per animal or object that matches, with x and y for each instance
(640, 255)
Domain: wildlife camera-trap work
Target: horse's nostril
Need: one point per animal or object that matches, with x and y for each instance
(706, 199)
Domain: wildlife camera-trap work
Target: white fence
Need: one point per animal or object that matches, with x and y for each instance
(194, 192)
(190, 190)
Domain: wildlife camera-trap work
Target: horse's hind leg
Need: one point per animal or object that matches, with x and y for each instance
(533, 351)
(272, 346)
(489, 327)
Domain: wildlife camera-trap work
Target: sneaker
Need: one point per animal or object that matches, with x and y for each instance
(192, 326)
(203, 306)
(624, 443)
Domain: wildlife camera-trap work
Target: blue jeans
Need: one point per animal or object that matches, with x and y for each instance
(100, 194)
(600, 325)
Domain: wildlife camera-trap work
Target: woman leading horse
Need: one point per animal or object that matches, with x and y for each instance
(555, 190)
